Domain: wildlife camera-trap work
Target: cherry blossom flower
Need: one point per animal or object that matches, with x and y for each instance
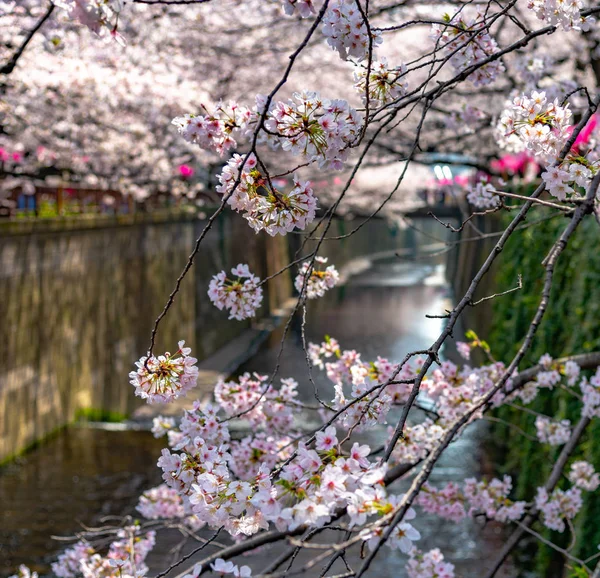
(475, 497)
(562, 181)
(403, 536)
(482, 195)
(553, 432)
(536, 124)
(125, 557)
(417, 441)
(241, 295)
(97, 15)
(222, 567)
(448, 502)
(464, 349)
(306, 8)
(280, 213)
(330, 347)
(567, 15)
(265, 207)
(556, 179)
(492, 499)
(572, 371)
(429, 565)
(161, 425)
(326, 440)
(467, 42)
(161, 502)
(386, 84)
(320, 130)
(258, 400)
(319, 281)
(558, 506)
(466, 120)
(251, 452)
(215, 130)
(528, 392)
(345, 30)
(68, 564)
(591, 395)
(532, 67)
(166, 377)
(583, 476)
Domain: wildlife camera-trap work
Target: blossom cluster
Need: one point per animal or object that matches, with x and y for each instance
(467, 42)
(252, 451)
(583, 476)
(306, 8)
(386, 84)
(475, 497)
(491, 498)
(319, 281)
(567, 15)
(125, 557)
(536, 124)
(215, 130)
(429, 565)
(550, 375)
(97, 15)
(261, 404)
(241, 296)
(558, 506)
(369, 404)
(345, 30)
(228, 482)
(561, 181)
(552, 432)
(417, 441)
(270, 477)
(264, 207)
(591, 395)
(166, 377)
(464, 349)
(326, 350)
(161, 502)
(455, 391)
(482, 195)
(531, 68)
(447, 502)
(321, 130)
(311, 486)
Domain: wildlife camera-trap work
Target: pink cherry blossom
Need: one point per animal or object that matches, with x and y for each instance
(166, 377)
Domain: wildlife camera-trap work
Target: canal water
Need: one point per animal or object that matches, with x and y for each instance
(83, 473)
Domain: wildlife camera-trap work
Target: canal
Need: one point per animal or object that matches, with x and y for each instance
(82, 474)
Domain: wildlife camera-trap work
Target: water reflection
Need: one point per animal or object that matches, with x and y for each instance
(80, 475)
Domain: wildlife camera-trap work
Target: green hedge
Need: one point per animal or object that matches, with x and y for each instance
(570, 326)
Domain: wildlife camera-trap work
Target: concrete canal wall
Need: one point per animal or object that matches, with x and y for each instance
(78, 298)
(77, 305)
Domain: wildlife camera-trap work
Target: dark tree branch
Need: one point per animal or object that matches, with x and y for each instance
(10, 65)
